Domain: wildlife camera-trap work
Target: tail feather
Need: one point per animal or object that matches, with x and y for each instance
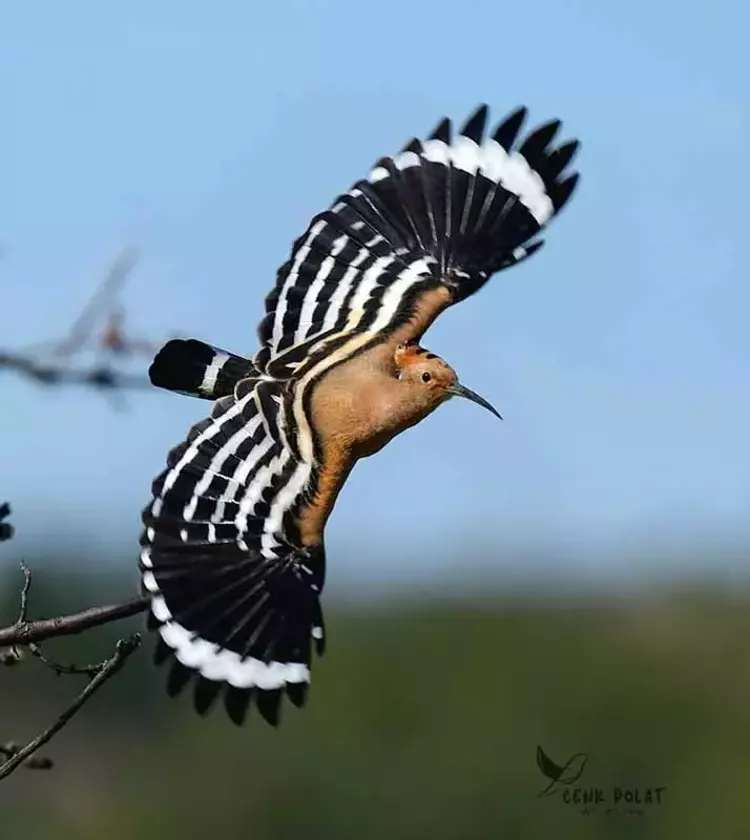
(198, 369)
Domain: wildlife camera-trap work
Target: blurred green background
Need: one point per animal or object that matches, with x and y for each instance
(423, 721)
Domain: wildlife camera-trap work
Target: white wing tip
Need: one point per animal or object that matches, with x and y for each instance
(222, 665)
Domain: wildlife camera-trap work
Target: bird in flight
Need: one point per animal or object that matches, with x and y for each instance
(232, 551)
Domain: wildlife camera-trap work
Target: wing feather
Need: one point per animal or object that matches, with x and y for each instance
(450, 210)
(234, 595)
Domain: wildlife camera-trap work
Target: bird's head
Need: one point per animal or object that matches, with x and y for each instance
(432, 381)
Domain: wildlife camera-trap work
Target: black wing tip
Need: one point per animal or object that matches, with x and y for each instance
(535, 145)
(507, 130)
(414, 145)
(533, 247)
(564, 154)
(507, 133)
(562, 191)
(442, 131)
(475, 124)
(179, 677)
(541, 136)
(268, 703)
(297, 693)
(205, 695)
(162, 651)
(237, 704)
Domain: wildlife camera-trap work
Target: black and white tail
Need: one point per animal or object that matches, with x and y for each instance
(197, 369)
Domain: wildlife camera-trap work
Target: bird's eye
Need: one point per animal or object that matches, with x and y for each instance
(426, 377)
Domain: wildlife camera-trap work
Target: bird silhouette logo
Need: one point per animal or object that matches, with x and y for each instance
(560, 775)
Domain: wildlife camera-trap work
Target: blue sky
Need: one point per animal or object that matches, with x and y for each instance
(208, 135)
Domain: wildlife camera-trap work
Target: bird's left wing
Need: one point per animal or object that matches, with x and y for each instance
(234, 594)
(425, 229)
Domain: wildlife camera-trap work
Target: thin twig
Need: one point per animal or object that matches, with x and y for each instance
(124, 648)
(24, 595)
(89, 670)
(13, 655)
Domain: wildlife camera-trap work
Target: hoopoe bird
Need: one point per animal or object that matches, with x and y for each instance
(233, 557)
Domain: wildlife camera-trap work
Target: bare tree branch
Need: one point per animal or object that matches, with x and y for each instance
(124, 649)
(26, 634)
(68, 625)
(47, 373)
(50, 363)
(34, 762)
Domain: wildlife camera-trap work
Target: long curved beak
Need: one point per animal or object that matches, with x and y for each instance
(459, 390)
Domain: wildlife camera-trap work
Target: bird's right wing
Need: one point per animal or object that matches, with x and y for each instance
(234, 593)
(425, 229)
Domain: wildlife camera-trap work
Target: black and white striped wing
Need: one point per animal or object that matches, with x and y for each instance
(449, 210)
(234, 596)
